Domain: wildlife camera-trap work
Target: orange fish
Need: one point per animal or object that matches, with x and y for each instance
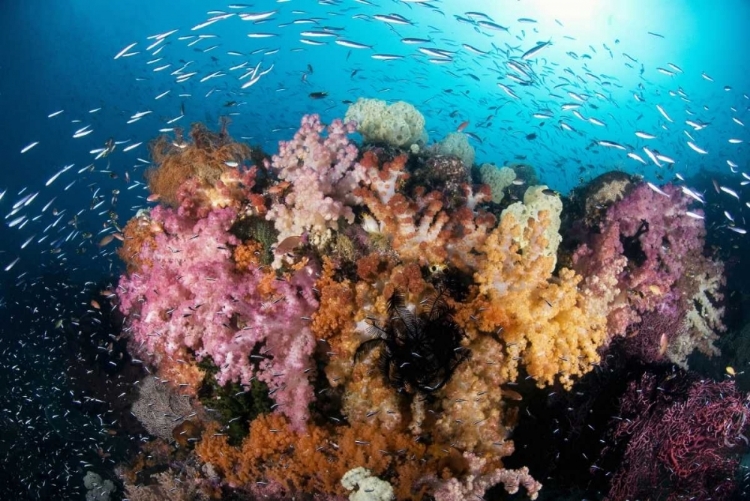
(106, 240)
(95, 304)
(511, 394)
(663, 344)
(288, 245)
(463, 125)
(153, 197)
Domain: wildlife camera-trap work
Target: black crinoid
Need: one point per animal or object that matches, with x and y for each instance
(420, 351)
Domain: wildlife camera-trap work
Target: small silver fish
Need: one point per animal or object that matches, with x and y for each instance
(351, 44)
(535, 50)
(729, 191)
(392, 19)
(657, 189)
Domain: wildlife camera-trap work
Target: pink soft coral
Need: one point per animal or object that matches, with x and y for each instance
(322, 172)
(476, 481)
(192, 296)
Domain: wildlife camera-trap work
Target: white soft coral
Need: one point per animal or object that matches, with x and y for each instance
(365, 486)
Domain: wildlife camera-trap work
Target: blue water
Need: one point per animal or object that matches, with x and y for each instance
(60, 56)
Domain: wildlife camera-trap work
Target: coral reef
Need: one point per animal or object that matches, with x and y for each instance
(478, 482)
(366, 319)
(159, 408)
(444, 173)
(683, 437)
(648, 257)
(365, 486)
(320, 174)
(96, 488)
(193, 299)
(419, 352)
(174, 484)
(419, 227)
(544, 321)
(199, 174)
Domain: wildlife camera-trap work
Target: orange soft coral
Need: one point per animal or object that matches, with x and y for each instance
(335, 314)
(248, 255)
(316, 461)
(139, 231)
(214, 448)
(182, 372)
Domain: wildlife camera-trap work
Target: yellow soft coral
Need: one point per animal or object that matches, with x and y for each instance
(474, 416)
(542, 319)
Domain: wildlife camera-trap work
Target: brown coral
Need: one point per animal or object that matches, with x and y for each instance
(204, 174)
(187, 432)
(139, 231)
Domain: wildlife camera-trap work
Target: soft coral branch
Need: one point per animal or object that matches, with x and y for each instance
(191, 295)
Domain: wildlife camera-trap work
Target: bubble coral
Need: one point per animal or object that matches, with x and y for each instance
(456, 144)
(399, 124)
(497, 178)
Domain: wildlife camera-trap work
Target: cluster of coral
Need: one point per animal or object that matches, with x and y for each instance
(353, 320)
(681, 437)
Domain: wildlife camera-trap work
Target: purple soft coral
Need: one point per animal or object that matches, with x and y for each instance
(659, 241)
(645, 243)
